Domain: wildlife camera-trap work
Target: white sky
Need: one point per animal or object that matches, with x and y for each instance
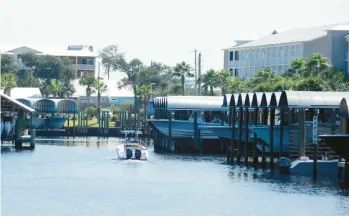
(161, 30)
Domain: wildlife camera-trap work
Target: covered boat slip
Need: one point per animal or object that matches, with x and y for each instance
(47, 110)
(274, 122)
(13, 122)
(340, 141)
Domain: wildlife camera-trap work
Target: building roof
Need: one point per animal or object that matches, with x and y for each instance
(51, 50)
(21, 92)
(12, 103)
(295, 35)
(310, 99)
(189, 102)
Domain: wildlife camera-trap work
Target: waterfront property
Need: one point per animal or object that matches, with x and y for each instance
(279, 49)
(83, 57)
(251, 125)
(47, 110)
(13, 122)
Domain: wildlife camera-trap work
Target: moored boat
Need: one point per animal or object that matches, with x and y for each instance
(55, 122)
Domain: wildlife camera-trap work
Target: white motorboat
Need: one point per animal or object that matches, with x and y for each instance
(132, 149)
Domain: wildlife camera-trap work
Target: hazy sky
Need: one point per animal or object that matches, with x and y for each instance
(161, 30)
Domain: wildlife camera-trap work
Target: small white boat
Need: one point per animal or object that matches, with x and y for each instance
(132, 149)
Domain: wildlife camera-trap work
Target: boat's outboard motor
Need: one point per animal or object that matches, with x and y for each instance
(138, 154)
(284, 164)
(128, 153)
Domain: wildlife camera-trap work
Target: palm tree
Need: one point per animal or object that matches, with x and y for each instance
(209, 80)
(55, 88)
(176, 89)
(182, 70)
(223, 79)
(100, 87)
(89, 82)
(297, 70)
(316, 64)
(8, 82)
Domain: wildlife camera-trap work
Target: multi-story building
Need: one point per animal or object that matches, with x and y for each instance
(82, 56)
(278, 49)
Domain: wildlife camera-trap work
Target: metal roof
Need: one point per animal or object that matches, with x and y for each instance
(274, 99)
(344, 108)
(244, 99)
(21, 92)
(53, 51)
(293, 36)
(311, 99)
(28, 102)
(67, 106)
(47, 105)
(234, 100)
(257, 99)
(266, 99)
(15, 103)
(194, 102)
(226, 100)
(248, 99)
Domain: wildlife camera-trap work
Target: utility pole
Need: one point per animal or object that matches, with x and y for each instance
(199, 74)
(99, 97)
(195, 75)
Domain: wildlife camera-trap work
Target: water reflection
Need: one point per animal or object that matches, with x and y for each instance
(82, 176)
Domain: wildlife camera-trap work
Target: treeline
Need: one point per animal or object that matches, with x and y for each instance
(51, 74)
(312, 74)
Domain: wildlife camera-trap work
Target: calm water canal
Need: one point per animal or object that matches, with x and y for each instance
(86, 178)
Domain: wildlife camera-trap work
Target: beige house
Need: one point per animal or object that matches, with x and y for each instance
(82, 56)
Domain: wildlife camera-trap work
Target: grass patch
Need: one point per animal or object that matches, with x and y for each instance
(90, 123)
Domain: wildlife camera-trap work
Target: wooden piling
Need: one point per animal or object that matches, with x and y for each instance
(255, 119)
(302, 132)
(246, 136)
(265, 122)
(240, 134)
(169, 129)
(346, 172)
(74, 125)
(315, 153)
(282, 113)
(272, 122)
(233, 123)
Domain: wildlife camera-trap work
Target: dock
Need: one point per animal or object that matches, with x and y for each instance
(252, 126)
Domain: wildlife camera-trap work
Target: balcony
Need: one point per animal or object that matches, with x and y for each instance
(85, 67)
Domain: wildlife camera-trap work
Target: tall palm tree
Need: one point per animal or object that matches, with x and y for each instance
(209, 80)
(89, 82)
(100, 87)
(8, 82)
(183, 70)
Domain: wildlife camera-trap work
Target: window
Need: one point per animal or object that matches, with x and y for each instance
(231, 55)
(90, 61)
(83, 61)
(236, 72)
(236, 55)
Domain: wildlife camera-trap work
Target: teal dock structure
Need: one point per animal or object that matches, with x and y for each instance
(266, 124)
(16, 113)
(340, 142)
(178, 119)
(51, 114)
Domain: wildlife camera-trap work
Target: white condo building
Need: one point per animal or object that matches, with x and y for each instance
(278, 49)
